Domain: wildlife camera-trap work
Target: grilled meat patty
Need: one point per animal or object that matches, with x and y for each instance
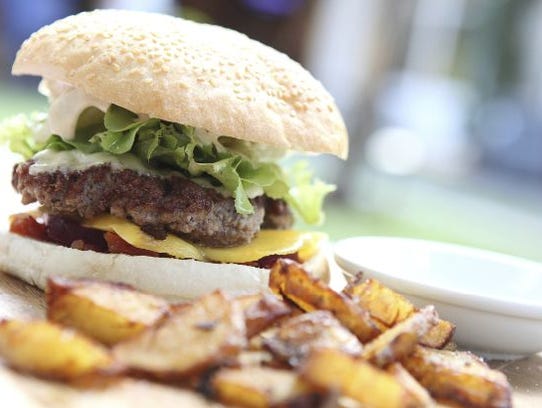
(157, 204)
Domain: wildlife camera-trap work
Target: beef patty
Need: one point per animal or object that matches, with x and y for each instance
(157, 204)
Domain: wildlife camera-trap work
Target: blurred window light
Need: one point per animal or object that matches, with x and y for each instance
(435, 105)
(530, 63)
(159, 6)
(274, 7)
(435, 35)
(342, 40)
(500, 123)
(396, 150)
(436, 109)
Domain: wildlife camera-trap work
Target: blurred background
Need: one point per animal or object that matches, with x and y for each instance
(442, 99)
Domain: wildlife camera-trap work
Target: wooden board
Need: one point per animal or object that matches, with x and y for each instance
(20, 300)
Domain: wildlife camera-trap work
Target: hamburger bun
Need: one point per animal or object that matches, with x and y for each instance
(177, 70)
(34, 261)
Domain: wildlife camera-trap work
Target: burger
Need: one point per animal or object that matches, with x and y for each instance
(157, 163)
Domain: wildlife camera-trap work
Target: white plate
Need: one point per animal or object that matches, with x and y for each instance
(494, 299)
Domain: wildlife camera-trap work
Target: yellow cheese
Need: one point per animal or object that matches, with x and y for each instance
(267, 242)
(132, 234)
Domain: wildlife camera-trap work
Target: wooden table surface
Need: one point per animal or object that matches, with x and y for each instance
(19, 300)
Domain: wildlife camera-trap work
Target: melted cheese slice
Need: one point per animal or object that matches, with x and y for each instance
(266, 242)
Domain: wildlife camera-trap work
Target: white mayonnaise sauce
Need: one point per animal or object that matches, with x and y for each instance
(51, 160)
(48, 161)
(66, 103)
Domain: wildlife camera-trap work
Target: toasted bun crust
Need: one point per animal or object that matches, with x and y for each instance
(195, 74)
(33, 261)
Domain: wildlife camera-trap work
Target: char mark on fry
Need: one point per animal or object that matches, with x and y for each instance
(289, 279)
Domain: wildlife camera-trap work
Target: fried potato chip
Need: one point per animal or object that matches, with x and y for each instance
(411, 384)
(261, 311)
(251, 358)
(47, 350)
(459, 377)
(401, 339)
(333, 371)
(382, 302)
(189, 341)
(439, 336)
(289, 279)
(257, 387)
(108, 312)
(296, 337)
(390, 308)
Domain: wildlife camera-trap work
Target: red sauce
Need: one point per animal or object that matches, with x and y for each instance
(68, 232)
(26, 225)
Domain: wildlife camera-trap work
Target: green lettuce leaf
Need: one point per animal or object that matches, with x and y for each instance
(239, 167)
(118, 119)
(306, 195)
(19, 131)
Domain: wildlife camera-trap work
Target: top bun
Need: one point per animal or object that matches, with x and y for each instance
(201, 75)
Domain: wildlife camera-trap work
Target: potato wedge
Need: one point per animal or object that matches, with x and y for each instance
(257, 387)
(459, 377)
(289, 279)
(296, 337)
(411, 384)
(108, 312)
(333, 371)
(382, 302)
(390, 308)
(261, 311)
(251, 358)
(189, 341)
(47, 350)
(438, 336)
(401, 339)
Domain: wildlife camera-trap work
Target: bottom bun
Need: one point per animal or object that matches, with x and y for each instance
(34, 261)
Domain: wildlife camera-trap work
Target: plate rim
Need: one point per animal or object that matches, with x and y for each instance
(481, 302)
